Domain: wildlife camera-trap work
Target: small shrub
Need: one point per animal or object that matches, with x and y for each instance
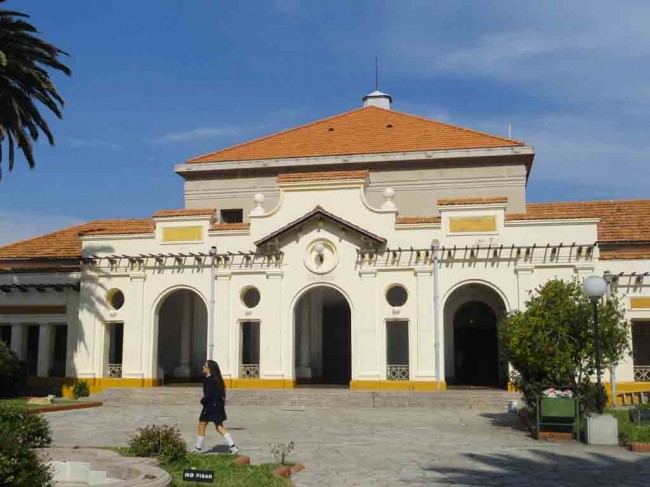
(33, 430)
(12, 372)
(19, 464)
(161, 441)
(281, 450)
(81, 389)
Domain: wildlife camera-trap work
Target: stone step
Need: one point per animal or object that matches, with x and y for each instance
(314, 397)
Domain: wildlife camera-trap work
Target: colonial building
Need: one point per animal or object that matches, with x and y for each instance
(373, 249)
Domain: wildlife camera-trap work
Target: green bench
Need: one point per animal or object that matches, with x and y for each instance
(560, 411)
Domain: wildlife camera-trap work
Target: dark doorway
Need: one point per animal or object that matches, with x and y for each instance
(59, 354)
(5, 334)
(476, 347)
(337, 349)
(31, 358)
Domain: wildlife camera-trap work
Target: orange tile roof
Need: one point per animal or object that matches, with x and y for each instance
(472, 201)
(321, 176)
(368, 130)
(66, 243)
(620, 220)
(185, 212)
(414, 220)
(230, 226)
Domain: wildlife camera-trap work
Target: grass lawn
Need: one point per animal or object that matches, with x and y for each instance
(225, 471)
(22, 403)
(628, 431)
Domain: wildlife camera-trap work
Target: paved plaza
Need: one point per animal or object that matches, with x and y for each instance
(361, 446)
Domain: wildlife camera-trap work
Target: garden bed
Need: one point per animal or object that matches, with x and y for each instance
(635, 437)
(228, 470)
(57, 405)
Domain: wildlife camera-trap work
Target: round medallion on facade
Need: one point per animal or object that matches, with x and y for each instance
(321, 256)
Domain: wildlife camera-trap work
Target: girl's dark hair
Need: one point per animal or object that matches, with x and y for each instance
(215, 372)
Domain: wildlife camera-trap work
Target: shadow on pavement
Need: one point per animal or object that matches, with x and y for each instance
(504, 420)
(544, 467)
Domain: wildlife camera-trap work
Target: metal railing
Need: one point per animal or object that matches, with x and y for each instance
(642, 373)
(115, 371)
(397, 372)
(249, 371)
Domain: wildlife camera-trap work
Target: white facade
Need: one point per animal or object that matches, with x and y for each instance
(319, 254)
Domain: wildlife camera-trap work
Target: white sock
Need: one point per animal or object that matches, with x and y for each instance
(199, 442)
(229, 439)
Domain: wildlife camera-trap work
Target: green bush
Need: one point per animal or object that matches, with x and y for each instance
(552, 342)
(33, 430)
(81, 389)
(12, 372)
(160, 441)
(19, 464)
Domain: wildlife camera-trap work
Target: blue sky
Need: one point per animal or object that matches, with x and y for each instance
(157, 82)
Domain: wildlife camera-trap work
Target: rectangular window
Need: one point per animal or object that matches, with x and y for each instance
(397, 350)
(233, 215)
(641, 350)
(250, 350)
(115, 349)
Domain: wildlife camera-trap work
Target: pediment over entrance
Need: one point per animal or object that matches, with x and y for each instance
(367, 238)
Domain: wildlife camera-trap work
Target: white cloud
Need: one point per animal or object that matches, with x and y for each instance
(20, 225)
(205, 133)
(91, 144)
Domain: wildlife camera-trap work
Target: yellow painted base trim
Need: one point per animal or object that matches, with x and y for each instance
(260, 383)
(396, 385)
(96, 385)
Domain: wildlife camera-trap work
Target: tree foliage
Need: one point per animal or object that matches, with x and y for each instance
(25, 85)
(12, 372)
(552, 342)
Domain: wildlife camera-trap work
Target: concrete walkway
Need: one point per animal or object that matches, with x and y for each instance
(355, 446)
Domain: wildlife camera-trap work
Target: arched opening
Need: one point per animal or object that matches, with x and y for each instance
(472, 313)
(182, 336)
(323, 338)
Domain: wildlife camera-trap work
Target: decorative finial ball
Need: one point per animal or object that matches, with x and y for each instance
(389, 193)
(258, 199)
(319, 248)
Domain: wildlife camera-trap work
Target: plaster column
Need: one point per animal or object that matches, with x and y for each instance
(304, 355)
(422, 339)
(18, 340)
(44, 350)
(524, 283)
(183, 369)
(135, 351)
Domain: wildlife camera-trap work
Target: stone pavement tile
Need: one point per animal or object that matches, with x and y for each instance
(362, 446)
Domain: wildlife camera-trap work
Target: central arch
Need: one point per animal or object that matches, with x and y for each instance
(322, 319)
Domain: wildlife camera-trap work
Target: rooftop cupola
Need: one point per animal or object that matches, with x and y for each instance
(377, 99)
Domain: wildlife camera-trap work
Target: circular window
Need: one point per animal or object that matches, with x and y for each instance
(396, 296)
(115, 298)
(250, 297)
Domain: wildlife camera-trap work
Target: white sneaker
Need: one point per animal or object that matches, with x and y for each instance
(233, 449)
(196, 450)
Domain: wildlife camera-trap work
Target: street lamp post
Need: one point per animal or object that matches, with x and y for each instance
(595, 288)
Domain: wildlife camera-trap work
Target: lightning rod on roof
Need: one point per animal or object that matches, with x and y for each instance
(376, 73)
